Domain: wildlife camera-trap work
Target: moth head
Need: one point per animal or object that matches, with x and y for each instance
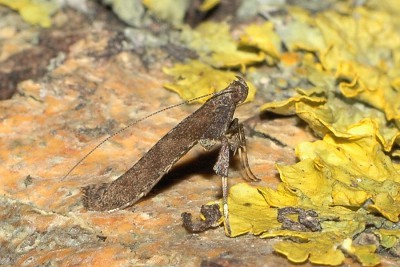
(239, 90)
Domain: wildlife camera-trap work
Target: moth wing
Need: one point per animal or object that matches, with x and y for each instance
(220, 122)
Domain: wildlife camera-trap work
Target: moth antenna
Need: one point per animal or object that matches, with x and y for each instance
(130, 125)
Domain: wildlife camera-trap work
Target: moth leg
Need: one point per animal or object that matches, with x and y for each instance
(243, 156)
(222, 165)
(225, 205)
(221, 168)
(238, 142)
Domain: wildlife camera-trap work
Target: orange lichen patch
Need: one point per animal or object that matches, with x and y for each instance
(290, 59)
(24, 148)
(22, 120)
(56, 105)
(113, 255)
(115, 223)
(36, 258)
(267, 173)
(41, 221)
(159, 222)
(38, 194)
(25, 155)
(9, 179)
(108, 256)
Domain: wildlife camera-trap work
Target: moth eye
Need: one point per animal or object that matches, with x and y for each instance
(240, 95)
(240, 98)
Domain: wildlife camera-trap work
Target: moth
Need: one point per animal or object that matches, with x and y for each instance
(209, 125)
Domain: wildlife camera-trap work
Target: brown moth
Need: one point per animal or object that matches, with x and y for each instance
(212, 123)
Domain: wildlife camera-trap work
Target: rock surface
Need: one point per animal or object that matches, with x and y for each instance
(75, 86)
